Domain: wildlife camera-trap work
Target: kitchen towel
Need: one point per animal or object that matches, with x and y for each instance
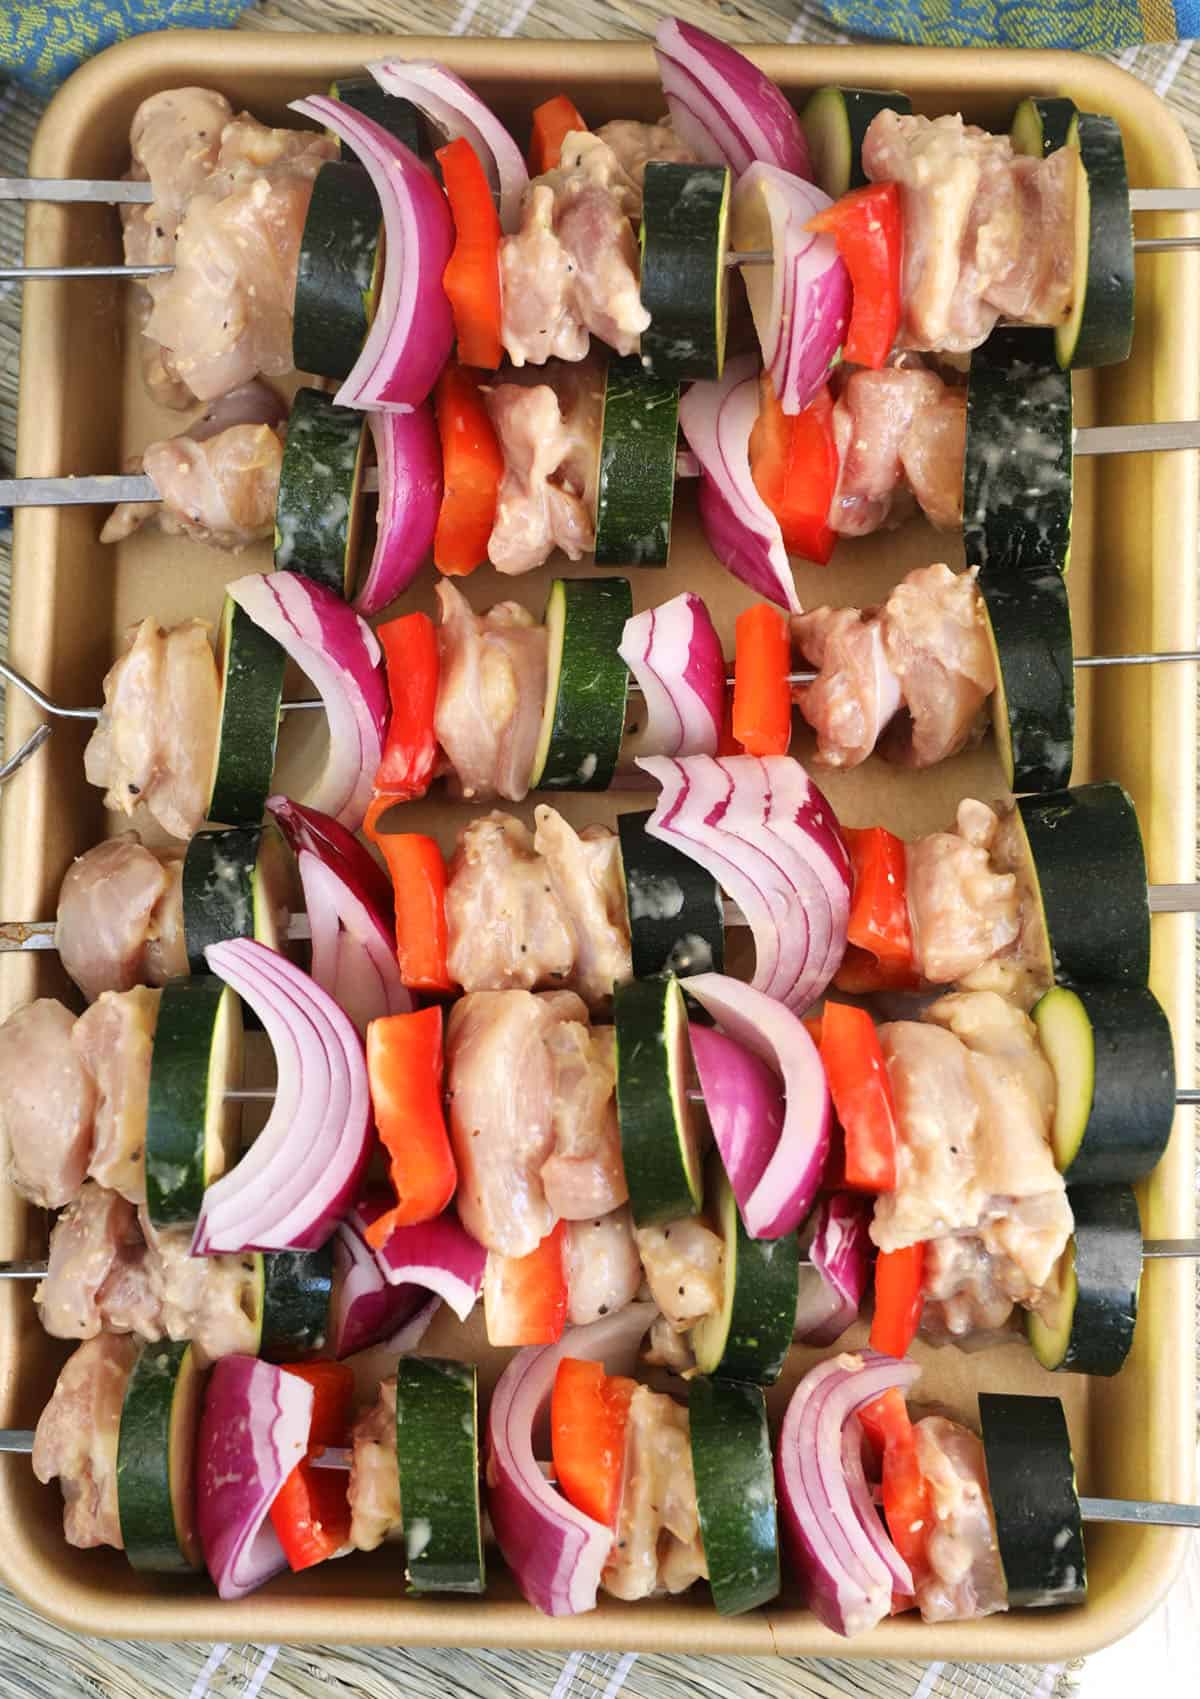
(43, 41)
(1091, 26)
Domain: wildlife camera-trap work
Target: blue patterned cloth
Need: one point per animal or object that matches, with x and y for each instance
(1092, 26)
(43, 41)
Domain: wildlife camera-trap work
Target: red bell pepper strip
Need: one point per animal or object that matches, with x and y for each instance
(762, 697)
(405, 1068)
(525, 1298)
(311, 1511)
(868, 228)
(794, 464)
(880, 952)
(410, 753)
(472, 467)
(862, 1096)
(553, 121)
(907, 1503)
(898, 1299)
(472, 275)
(589, 1412)
(419, 876)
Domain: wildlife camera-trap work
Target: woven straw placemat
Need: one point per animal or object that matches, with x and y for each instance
(39, 1661)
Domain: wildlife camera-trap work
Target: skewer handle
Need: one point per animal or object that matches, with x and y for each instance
(76, 492)
(24, 273)
(16, 1439)
(113, 191)
(1171, 1247)
(23, 1270)
(1137, 439)
(1175, 899)
(1152, 1512)
(1164, 200)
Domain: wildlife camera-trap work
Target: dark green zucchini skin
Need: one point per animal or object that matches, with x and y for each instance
(1090, 868)
(218, 889)
(588, 684)
(1102, 333)
(635, 490)
(835, 122)
(1031, 1481)
(676, 910)
(437, 1453)
(398, 116)
(749, 1337)
(684, 288)
(340, 251)
(318, 508)
(735, 1493)
(252, 665)
(296, 1291)
(1033, 710)
(658, 1129)
(1042, 124)
(1093, 1333)
(184, 1151)
(155, 1448)
(1018, 459)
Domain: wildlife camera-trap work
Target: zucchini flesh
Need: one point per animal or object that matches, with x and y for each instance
(835, 121)
(676, 909)
(1033, 708)
(318, 511)
(1114, 1068)
(397, 115)
(685, 288)
(1031, 1481)
(156, 1446)
(191, 1128)
(660, 1132)
(251, 665)
(437, 1451)
(749, 1336)
(587, 683)
(635, 486)
(337, 272)
(294, 1290)
(1088, 1328)
(1099, 328)
(735, 1493)
(1042, 124)
(236, 884)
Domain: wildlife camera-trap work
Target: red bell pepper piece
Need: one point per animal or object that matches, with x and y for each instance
(553, 121)
(410, 753)
(589, 1412)
(472, 467)
(794, 464)
(405, 1067)
(868, 228)
(762, 697)
(419, 876)
(880, 952)
(862, 1096)
(898, 1299)
(311, 1511)
(525, 1298)
(907, 1503)
(472, 275)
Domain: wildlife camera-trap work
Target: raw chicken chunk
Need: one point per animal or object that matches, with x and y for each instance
(855, 693)
(635, 144)
(935, 634)
(962, 911)
(602, 1266)
(95, 1274)
(964, 1578)
(873, 417)
(374, 1489)
(658, 1546)
(114, 1041)
(76, 1438)
(584, 1175)
(684, 1268)
(550, 437)
(120, 918)
(47, 1104)
(491, 693)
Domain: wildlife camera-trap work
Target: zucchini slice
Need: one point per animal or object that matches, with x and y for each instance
(338, 271)
(735, 1493)
(1089, 1327)
(635, 486)
(1018, 458)
(437, 1450)
(834, 121)
(749, 1336)
(318, 511)
(237, 883)
(1033, 708)
(1099, 329)
(1042, 124)
(191, 1130)
(398, 116)
(660, 1132)
(156, 1444)
(685, 286)
(676, 909)
(294, 1290)
(587, 683)
(1088, 870)
(1031, 1481)
(1114, 1068)
(251, 664)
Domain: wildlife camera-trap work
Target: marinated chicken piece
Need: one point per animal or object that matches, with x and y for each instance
(96, 1250)
(550, 436)
(935, 635)
(1024, 970)
(374, 1489)
(585, 869)
(76, 1437)
(491, 693)
(602, 1266)
(872, 419)
(584, 1175)
(669, 1350)
(539, 321)
(855, 692)
(962, 1295)
(114, 1041)
(119, 920)
(213, 1301)
(47, 1104)
(658, 1546)
(937, 1117)
(931, 458)
(156, 738)
(635, 144)
(684, 1267)
(964, 1578)
(218, 479)
(962, 911)
(500, 1085)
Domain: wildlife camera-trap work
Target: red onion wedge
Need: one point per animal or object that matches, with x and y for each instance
(366, 1309)
(350, 915)
(848, 1566)
(454, 109)
(556, 1553)
(339, 653)
(675, 655)
(788, 1169)
(743, 533)
(724, 107)
(409, 457)
(298, 1177)
(253, 1432)
(744, 1102)
(413, 329)
(801, 302)
(834, 1283)
(439, 1255)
